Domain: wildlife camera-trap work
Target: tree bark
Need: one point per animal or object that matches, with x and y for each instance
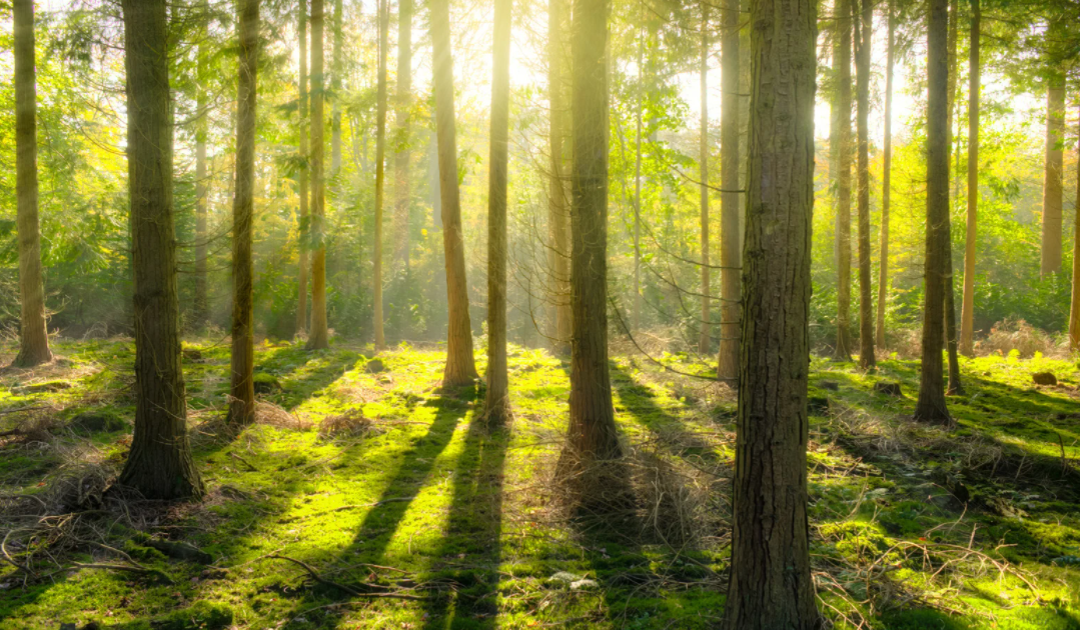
(202, 183)
(704, 340)
(730, 238)
(1074, 309)
(319, 336)
(931, 402)
(304, 237)
(558, 195)
(380, 177)
(954, 386)
(886, 184)
(1052, 184)
(842, 74)
(159, 464)
(242, 399)
(862, 67)
(967, 318)
(637, 180)
(770, 582)
(497, 401)
(403, 99)
(34, 334)
(335, 87)
(460, 366)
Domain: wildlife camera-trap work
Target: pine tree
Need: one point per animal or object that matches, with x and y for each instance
(842, 77)
(864, 32)
(403, 104)
(967, 318)
(305, 219)
(380, 177)
(703, 162)
(319, 336)
(558, 185)
(730, 238)
(886, 183)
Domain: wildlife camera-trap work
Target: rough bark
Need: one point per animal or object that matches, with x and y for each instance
(318, 336)
(954, 387)
(842, 76)
(202, 183)
(159, 464)
(1074, 309)
(460, 366)
(930, 406)
(967, 318)
(704, 340)
(497, 401)
(862, 67)
(886, 184)
(242, 394)
(336, 71)
(380, 177)
(730, 237)
(403, 104)
(305, 220)
(34, 335)
(770, 582)
(1052, 184)
(558, 187)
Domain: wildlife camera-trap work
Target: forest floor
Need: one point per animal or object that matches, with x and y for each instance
(366, 497)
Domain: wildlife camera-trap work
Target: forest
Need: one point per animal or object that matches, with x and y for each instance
(513, 314)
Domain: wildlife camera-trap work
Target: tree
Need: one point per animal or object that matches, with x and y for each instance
(242, 395)
(862, 69)
(304, 227)
(1074, 307)
(886, 182)
(380, 177)
(967, 318)
(34, 335)
(842, 76)
(159, 464)
(202, 183)
(954, 386)
(770, 582)
(558, 195)
(637, 177)
(318, 337)
(403, 99)
(497, 401)
(337, 69)
(460, 366)
(930, 406)
(728, 364)
(1052, 184)
(703, 70)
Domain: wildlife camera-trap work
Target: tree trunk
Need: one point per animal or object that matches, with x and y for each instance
(862, 67)
(34, 337)
(202, 183)
(1074, 310)
(730, 238)
(558, 196)
(886, 187)
(497, 402)
(319, 336)
(1052, 185)
(706, 328)
(335, 88)
(304, 238)
(380, 177)
(242, 400)
(931, 403)
(842, 74)
(770, 582)
(159, 465)
(403, 99)
(460, 367)
(637, 180)
(967, 319)
(954, 386)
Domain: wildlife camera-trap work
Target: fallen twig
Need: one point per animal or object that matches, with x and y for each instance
(343, 587)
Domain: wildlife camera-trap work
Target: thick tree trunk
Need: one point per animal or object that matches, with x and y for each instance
(862, 67)
(242, 399)
(1074, 310)
(954, 386)
(34, 337)
(730, 234)
(559, 195)
(967, 319)
(304, 238)
(202, 183)
(842, 75)
(335, 87)
(706, 329)
(931, 403)
(1052, 184)
(460, 366)
(319, 336)
(886, 185)
(770, 582)
(159, 464)
(497, 402)
(403, 104)
(380, 177)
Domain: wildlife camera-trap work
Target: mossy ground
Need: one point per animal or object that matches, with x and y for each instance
(913, 526)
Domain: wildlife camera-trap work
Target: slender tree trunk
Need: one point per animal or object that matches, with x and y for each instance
(931, 403)
(558, 196)
(862, 67)
(380, 176)
(1052, 184)
(305, 220)
(770, 582)
(637, 181)
(886, 187)
(202, 183)
(730, 237)
(706, 329)
(319, 336)
(497, 402)
(335, 87)
(34, 337)
(842, 74)
(403, 98)
(242, 399)
(460, 366)
(159, 464)
(1074, 310)
(954, 386)
(967, 319)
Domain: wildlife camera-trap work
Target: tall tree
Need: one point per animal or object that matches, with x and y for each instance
(319, 336)
(967, 318)
(460, 365)
(202, 183)
(1052, 182)
(637, 176)
(242, 398)
(931, 403)
(159, 464)
(886, 182)
(864, 34)
(842, 76)
(304, 227)
(558, 188)
(770, 582)
(380, 177)
(730, 239)
(337, 69)
(403, 105)
(1074, 307)
(703, 70)
(34, 337)
(954, 386)
(497, 401)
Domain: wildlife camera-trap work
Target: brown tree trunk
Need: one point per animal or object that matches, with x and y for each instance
(842, 74)
(1074, 309)
(954, 386)
(730, 238)
(558, 195)
(886, 185)
(403, 103)
(159, 464)
(34, 337)
(706, 330)
(770, 582)
(380, 177)
(862, 68)
(242, 398)
(305, 220)
(335, 87)
(967, 318)
(1052, 184)
(460, 366)
(497, 401)
(637, 180)
(202, 183)
(931, 403)
(319, 336)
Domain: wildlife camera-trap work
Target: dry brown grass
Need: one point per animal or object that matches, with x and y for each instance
(1016, 334)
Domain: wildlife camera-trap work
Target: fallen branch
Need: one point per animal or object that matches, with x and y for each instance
(342, 587)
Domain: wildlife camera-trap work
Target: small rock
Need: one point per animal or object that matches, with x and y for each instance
(375, 366)
(817, 405)
(265, 383)
(887, 388)
(832, 386)
(1044, 378)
